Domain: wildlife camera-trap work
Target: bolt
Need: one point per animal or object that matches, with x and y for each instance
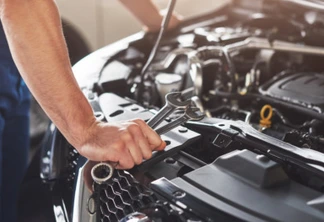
(183, 130)
(179, 194)
(170, 160)
(91, 96)
(262, 158)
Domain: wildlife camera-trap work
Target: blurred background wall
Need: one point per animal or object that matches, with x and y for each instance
(104, 21)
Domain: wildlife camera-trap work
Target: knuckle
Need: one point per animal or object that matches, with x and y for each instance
(126, 161)
(139, 121)
(147, 155)
(138, 161)
(126, 136)
(137, 157)
(119, 146)
(130, 164)
(133, 127)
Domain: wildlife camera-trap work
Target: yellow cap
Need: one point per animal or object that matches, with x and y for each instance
(265, 121)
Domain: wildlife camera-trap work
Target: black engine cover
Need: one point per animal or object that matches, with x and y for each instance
(306, 89)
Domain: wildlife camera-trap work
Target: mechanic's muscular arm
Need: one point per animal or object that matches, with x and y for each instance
(34, 33)
(148, 14)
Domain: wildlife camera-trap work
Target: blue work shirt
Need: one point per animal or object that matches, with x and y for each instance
(14, 131)
(13, 90)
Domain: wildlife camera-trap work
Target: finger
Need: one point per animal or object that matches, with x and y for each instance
(141, 141)
(133, 148)
(124, 158)
(145, 148)
(153, 138)
(161, 147)
(126, 162)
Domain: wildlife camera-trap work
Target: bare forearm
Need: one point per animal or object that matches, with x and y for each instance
(33, 30)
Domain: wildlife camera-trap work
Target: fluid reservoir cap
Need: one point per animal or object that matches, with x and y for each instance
(167, 78)
(167, 82)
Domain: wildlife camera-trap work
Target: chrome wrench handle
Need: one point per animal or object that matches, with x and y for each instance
(166, 128)
(160, 116)
(171, 104)
(190, 114)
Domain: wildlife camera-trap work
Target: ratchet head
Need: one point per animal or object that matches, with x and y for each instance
(102, 172)
(192, 115)
(172, 99)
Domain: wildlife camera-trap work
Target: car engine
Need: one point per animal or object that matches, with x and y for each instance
(256, 72)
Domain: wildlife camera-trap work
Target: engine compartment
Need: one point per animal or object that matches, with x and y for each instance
(257, 74)
(232, 71)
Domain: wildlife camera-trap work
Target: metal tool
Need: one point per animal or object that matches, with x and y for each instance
(190, 114)
(102, 172)
(172, 103)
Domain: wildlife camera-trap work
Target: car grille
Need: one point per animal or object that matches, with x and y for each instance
(121, 196)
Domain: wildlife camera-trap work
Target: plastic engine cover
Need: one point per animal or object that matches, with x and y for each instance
(252, 188)
(306, 89)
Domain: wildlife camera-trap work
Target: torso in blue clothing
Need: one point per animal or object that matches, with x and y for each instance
(14, 131)
(4, 48)
(12, 88)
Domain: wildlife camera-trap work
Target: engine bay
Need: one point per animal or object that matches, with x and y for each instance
(258, 155)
